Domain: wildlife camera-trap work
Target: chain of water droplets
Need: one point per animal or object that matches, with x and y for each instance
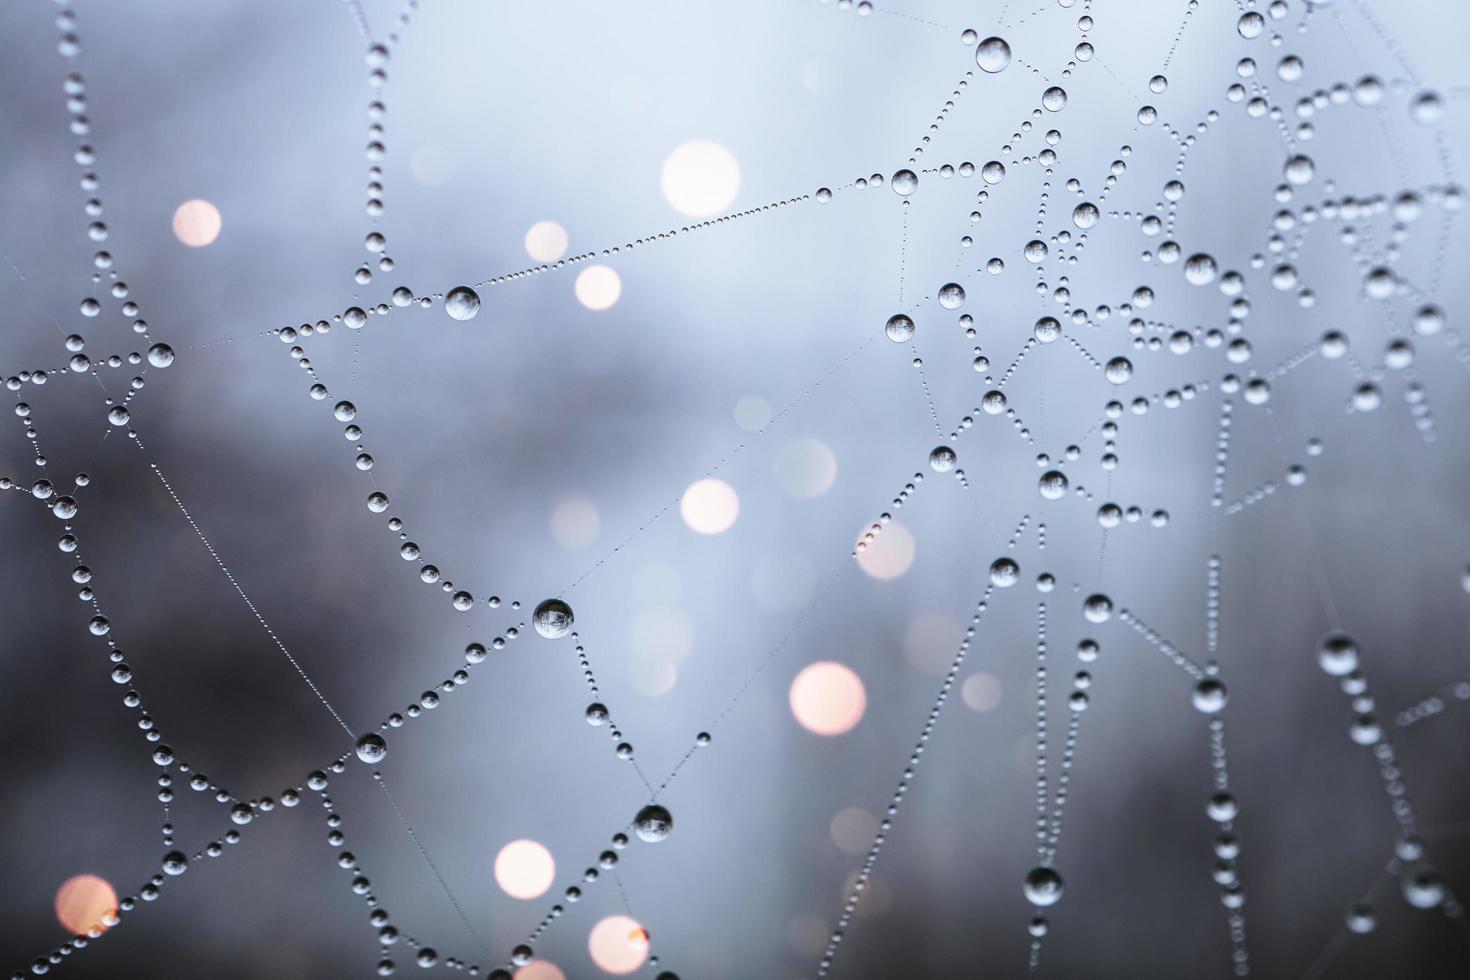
(1251, 24)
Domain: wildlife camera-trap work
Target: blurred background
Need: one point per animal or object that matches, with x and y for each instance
(555, 444)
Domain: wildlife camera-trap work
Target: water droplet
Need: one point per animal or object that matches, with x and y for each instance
(653, 823)
(372, 749)
(462, 303)
(899, 328)
(993, 55)
(552, 619)
(1043, 887)
(1004, 573)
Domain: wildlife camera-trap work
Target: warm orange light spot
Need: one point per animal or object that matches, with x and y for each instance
(524, 869)
(83, 902)
(828, 698)
(197, 223)
(618, 944)
(539, 970)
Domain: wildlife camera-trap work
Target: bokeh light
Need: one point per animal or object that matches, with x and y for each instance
(700, 178)
(930, 642)
(524, 869)
(752, 413)
(709, 506)
(852, 830)
(197, 223)
(539, 970)
(546, 241)
(598, 287)
(618, 944)
(82, 902)
(575, 523)
(432, 165)
(981, 692)
(877, 896)
(807, 935)
(656, 583)
(652, 675)
(805, 468)
(890, 554)
(662, 631)
(828, 698)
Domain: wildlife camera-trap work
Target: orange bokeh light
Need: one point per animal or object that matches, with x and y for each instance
(539, 970)
(83, 902)
(828, 698)
(618, 944)
(197, 223)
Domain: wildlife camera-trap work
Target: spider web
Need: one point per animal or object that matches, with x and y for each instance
(1197, 325)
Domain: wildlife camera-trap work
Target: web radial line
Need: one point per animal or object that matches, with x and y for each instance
(1324, 959)
(611, 250)
(359, 18)
(703, 737)
(249, 604)
(859, 885)
(1304, 520)
(1042, 791)
(1162, 645)
(458, 909)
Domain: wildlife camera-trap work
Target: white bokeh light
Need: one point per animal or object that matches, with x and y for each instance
(598, 287)
(662, 631)
(709, 506)
(432, 165)
(575, 523)
(546, 241)
(981, 692)
(524, 869)
(852, 830)
(700, 178)
(828, 698)
(930, 642)
(752, 413)
(805, 468)
(652, 675)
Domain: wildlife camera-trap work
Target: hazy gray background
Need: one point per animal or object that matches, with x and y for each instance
(566, 111)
